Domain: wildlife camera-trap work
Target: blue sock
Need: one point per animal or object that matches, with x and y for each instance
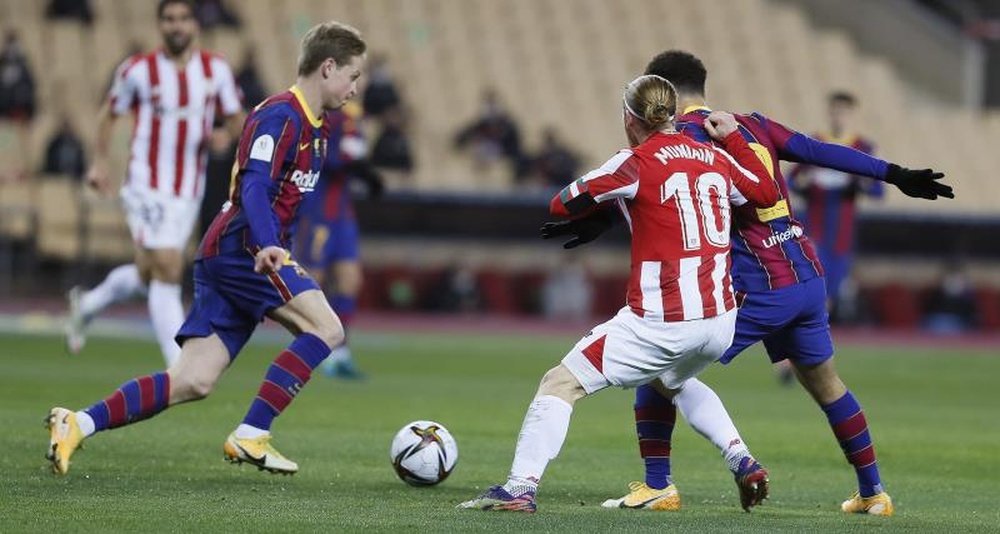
(847, 420)
(285, 378)
(135, 400)
(654, 425)
(344, 306)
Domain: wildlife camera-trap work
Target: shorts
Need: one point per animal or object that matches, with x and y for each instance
(791, 321)
(159, 220)
(629, 351)
(836, 267)
(324, 243)
(230, 299)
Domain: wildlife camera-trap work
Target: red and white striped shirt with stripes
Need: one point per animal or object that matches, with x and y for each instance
(675, 194)
(173, 109)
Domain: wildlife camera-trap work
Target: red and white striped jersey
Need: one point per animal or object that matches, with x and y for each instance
(675, 194)
(173, 109)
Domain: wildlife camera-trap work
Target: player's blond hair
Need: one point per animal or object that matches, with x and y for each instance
(651, 99)
(329, 40)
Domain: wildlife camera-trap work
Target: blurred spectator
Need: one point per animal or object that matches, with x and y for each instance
(64, 153)
(248, 79)
(492, 135)
(457, 290)
(381, 94)
(214, 13)
(392, 147)
(70, 10)
(221, 153)
(555, 165)
(17, 85)
(951, 307)
(567, 293)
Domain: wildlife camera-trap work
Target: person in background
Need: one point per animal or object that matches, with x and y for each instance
(64, 153)
(79, 10)
(555, 165)
(493, 135)
(831, 197)
(248, 79)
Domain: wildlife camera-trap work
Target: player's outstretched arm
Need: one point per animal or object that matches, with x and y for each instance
(799, 147)
(582, 230)
(99, 174)
(616, 178)
(750, 177)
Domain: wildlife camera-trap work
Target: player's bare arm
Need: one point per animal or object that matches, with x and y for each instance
(99, 174)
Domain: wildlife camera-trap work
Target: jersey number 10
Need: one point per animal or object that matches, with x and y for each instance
(713, 207)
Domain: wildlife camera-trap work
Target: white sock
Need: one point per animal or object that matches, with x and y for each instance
(122, 283)
(705, 413)
(340, 354)
(86, 423)
(245, 431)
(167, 313)
(542, 435)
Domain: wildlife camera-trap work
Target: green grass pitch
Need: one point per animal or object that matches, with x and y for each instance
(933, 414)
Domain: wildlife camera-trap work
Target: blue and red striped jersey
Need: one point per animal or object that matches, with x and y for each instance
(770, 249)
(831, 198)
(278, 163)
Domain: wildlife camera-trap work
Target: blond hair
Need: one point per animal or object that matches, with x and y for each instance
(329, 40)
(651, 99)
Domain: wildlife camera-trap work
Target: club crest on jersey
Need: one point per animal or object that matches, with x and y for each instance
(794, 232)
(305, 181)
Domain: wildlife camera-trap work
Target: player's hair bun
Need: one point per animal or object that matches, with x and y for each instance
(652, 99)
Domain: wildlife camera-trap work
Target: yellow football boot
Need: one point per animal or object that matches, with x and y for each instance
(643, 497)
(880, 504)
(257, 451)
(64, 438)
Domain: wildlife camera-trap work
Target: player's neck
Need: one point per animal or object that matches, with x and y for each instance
(309, 87)
(181, 58)
(685, 101)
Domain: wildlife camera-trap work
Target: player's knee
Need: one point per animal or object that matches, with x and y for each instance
(331, 332)
(559, 382)
(186, 387)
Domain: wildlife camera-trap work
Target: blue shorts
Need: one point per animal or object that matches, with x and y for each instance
(230, 299)
(324, 243)
(791, 321)
(837, 268)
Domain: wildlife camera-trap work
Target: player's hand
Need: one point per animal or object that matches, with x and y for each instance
(921, 183)
(720, 124)
(98, 177)
(269, 259)
(583, 230)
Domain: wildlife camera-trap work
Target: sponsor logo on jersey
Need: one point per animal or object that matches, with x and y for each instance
(305, 181)
(793, 232)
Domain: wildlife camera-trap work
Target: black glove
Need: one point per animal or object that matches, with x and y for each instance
(918, 184)
(583, 230)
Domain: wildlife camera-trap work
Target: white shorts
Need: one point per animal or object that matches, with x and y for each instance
(159, 220)
(629, 351)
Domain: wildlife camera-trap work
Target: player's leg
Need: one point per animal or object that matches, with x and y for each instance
(316, 328)
(542, 434)
(122, 283)
(347, 285)
(192, 377)
(166, 309)
(811, 351)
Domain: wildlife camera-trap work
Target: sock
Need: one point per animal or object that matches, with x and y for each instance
(847, 420)
(245, 431)
(705, 413)
(167, 313)
(654, 426)
(86, 423)
(122, 283)
(284, 379)
(542, 435)
(344, 307)
(137, 399)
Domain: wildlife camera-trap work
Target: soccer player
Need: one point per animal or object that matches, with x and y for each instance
(243, 271)
(831, 196)
(675, 194)
(328, 227)
(173, 94)
(776, 269)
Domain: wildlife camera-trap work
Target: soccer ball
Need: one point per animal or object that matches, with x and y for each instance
(423, 453)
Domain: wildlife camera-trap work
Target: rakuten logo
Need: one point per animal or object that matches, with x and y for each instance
(794, 232)
(305, 181)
